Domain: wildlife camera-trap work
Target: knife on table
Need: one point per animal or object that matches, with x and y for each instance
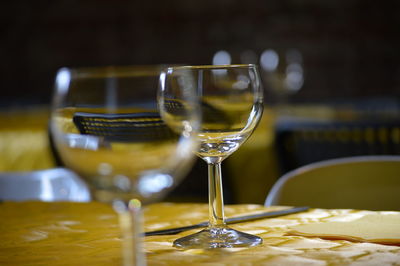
(233, 220)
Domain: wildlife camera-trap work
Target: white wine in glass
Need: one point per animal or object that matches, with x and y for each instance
(231, 103)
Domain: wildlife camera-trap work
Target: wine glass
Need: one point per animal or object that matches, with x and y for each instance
(231, 102)
(282, 71)
(106, 126)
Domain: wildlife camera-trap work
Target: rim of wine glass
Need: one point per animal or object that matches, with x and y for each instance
(213, 66)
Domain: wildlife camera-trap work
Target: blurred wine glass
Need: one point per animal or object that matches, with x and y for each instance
(282, 72)
(231, 103)
(107, 127)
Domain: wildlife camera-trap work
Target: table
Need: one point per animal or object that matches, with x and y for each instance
(38, 233)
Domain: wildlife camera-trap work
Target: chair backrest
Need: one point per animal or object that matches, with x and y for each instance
(361, 182)
(57, 184)
(301, 142)
(131, 127)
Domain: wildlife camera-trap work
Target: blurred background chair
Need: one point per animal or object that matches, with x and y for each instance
(57, 184)
(329, 131)
(27, 166)
(361, 182)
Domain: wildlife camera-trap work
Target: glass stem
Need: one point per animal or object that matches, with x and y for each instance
(216, 200)
(130, 221)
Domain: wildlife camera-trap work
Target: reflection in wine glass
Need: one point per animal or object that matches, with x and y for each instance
(107, 127)
(231, 102)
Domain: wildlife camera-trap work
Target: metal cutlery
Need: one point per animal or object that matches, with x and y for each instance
(233, 220)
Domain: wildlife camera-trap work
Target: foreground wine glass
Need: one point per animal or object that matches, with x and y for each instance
(106, 126)
(231, 102)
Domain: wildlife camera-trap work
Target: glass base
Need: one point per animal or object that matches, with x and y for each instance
(219, 237)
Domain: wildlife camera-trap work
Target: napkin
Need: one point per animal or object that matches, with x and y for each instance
(373, 228)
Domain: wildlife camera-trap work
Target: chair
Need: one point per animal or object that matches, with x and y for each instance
(361, 182)
(132, 127)
(57, 184)
(303, 141)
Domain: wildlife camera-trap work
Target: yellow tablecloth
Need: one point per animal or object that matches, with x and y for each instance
(35, 233)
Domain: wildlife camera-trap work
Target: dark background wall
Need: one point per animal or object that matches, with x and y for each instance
(350, 49)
